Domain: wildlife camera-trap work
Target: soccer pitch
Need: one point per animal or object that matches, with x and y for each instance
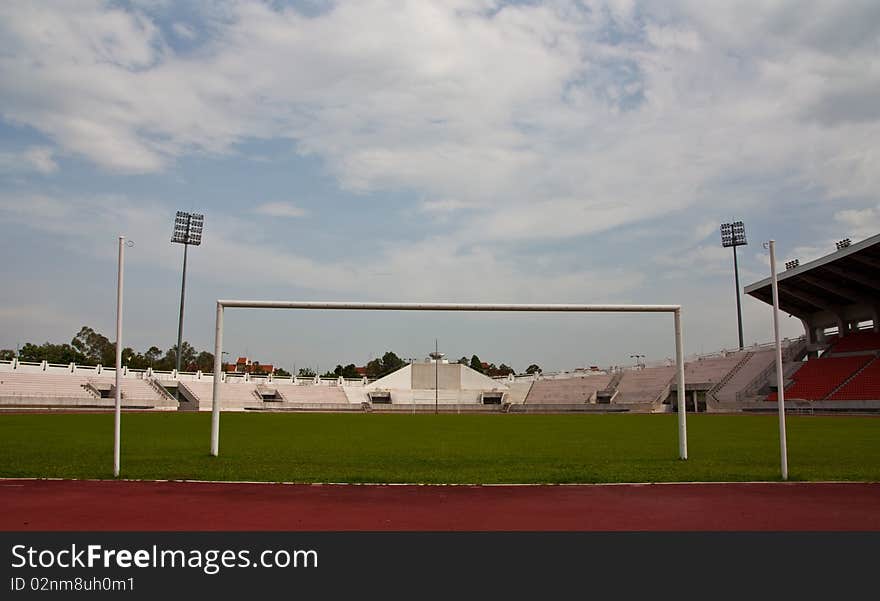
(315, 447)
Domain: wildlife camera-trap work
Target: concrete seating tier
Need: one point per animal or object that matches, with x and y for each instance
(565, 391)
(816, 379)
(710, 371)
(311, 394)
(856, 342)
(238, 395)
(75, 390)
(244, 395)
(135, 389)
(756, 364)
(44, 385)
(644, 385)
(865, 386)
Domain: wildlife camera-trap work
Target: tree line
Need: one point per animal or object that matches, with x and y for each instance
(89, 347)
(390, 362)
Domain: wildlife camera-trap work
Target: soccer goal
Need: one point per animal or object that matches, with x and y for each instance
(350, 306)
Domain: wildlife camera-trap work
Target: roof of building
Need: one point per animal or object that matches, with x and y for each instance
(847, 278)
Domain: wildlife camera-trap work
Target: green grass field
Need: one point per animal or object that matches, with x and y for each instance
(438, 449)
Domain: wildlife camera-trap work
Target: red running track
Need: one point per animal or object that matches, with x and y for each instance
(70, 505)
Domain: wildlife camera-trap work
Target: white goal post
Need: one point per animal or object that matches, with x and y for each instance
(351, 306)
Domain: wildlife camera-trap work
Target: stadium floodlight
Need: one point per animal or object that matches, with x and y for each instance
(843, 243)
(792, 264)
(733, 235)
(358, 306)
(187, 231)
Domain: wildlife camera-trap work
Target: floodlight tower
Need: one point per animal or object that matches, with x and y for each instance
(187, 231)
(733, 235)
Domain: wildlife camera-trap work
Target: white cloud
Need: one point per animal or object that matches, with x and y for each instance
(545, 121)
(696, 261)
(184, 31)
(446, 205)
(859, 223)
(281, 209)
(528, 111)
(35, 158)
(89, 226)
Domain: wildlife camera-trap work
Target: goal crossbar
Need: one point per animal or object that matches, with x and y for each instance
(486, 307)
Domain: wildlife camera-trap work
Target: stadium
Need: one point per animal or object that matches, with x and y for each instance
(833, 367)
(554, 173)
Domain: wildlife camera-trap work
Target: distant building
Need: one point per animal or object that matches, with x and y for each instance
(243, 365)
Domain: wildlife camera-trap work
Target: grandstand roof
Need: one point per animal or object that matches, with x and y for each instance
(846, 281)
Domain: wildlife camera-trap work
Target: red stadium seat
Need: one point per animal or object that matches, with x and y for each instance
(864, 387)
(818, 378)
(856, 342)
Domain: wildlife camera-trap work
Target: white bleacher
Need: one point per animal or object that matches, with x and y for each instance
(567, 391)
(43, 385)
(233, 396)
(710, 370)
(756, 364)
(27, 389)
(311, 394)
(518, 392)
(241, 395)
(137, 389)
(644, 386)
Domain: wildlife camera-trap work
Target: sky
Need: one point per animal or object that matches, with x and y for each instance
(438, 151)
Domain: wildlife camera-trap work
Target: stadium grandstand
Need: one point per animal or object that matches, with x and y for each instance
(714, 383)
(837, 298)
(835, 366)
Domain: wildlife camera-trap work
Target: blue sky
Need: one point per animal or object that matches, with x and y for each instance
(433, 151)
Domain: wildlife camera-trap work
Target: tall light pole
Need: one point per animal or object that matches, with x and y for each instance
(733, 235)
(436, 356)
(187, 231)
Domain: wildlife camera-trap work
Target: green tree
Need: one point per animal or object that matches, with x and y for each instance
(7, 354)
(534, 369)
(305, 372)
(205, 361)
(152, 356)
(94, 347)
(350, 371)
(476, 364)
(53, 353)
(281, 372)
(130, 359)
(187, 358)
(374, 368)
(505, 370)
(391, 363)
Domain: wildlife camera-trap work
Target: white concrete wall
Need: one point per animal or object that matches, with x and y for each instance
(398, 380)
(474, 380)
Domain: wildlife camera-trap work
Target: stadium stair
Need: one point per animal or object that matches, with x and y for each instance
(723, 381)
